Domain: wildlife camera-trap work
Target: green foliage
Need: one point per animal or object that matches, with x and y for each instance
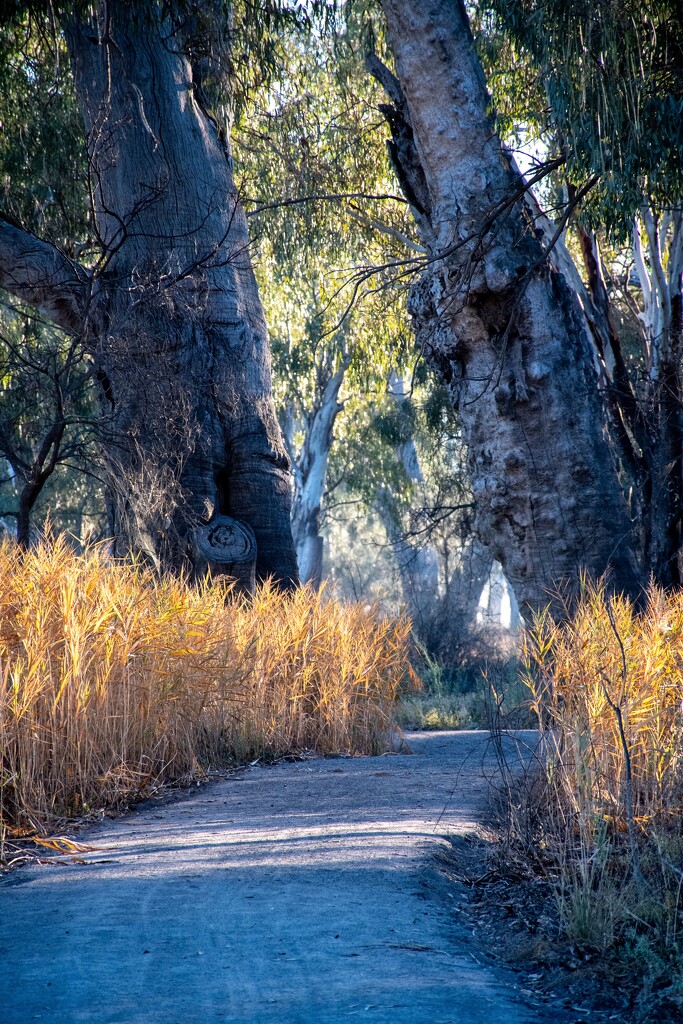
(430, 712)
(43, 374)
(306, 125)
(43, 165)
(310, 155)
(368, 454)
(46, 379)
(468, 696)
(308, 150)
(612, 75)
(42, 150)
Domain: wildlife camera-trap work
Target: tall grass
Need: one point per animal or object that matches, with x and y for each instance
(607, 686)
(609, 683)
(111, 678)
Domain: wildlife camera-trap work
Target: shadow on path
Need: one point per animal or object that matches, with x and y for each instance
(303, 893)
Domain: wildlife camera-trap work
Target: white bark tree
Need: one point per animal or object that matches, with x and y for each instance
(310, 464)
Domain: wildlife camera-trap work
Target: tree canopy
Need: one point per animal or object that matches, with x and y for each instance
(341, 228)
(603, 87)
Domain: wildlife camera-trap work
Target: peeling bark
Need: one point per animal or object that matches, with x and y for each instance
(310, 476)
(503, 327)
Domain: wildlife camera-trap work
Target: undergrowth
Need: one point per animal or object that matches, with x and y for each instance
(112, 678)
(465, 696)
(601, 814)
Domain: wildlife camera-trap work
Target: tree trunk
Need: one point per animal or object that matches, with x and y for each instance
(417, 569)
(24, 518)
(173, 317)
(310, 472)
(465, 587)
(662, 449)
(417, 566)
(500, 322)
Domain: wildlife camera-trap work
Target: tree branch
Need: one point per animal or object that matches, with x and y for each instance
(38, 272)
(386, 229)
(323, 196)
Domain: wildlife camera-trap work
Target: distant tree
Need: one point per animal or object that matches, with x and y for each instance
(322, 199)
(48, 406)
(48, 414)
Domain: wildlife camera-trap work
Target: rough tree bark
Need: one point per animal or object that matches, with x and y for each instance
(646, 417)
(499, 321)
(172, 314)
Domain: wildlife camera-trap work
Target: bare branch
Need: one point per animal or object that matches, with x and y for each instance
(325, 196)
(386, 229)
(38, 272)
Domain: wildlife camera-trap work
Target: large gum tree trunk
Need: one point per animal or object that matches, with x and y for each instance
(500, 322)
(174, 318)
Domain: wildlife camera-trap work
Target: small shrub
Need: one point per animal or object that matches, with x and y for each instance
(425, 711)
(466, 696)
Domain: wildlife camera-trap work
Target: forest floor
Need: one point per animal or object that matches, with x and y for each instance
(307, 892)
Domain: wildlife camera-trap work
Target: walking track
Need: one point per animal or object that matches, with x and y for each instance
(302, 893)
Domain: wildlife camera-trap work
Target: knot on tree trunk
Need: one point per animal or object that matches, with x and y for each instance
(229, 546)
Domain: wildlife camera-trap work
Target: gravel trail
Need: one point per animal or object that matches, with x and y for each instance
(301, 893)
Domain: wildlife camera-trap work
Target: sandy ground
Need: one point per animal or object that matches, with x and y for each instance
(301, 893)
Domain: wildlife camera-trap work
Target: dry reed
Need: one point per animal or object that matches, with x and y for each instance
(606, 807)
(607, 685)
(112, 678)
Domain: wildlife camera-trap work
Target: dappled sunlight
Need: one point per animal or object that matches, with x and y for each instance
(366, 846)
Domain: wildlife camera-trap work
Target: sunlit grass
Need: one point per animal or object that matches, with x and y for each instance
(424, 711)
(608, 684)
(112, 678)
(604, 814)
(467, 696)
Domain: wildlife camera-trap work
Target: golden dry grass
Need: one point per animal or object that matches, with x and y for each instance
(604, 812)
(608, 685)
(112, 678)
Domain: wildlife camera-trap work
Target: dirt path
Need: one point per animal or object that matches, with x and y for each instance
(303, 893)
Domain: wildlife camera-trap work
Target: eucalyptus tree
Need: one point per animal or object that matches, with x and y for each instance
(612, 80)
(311, 159)
(322, 199)
(442, 567)
(566, 472)
(165, 303)
(48, 412)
